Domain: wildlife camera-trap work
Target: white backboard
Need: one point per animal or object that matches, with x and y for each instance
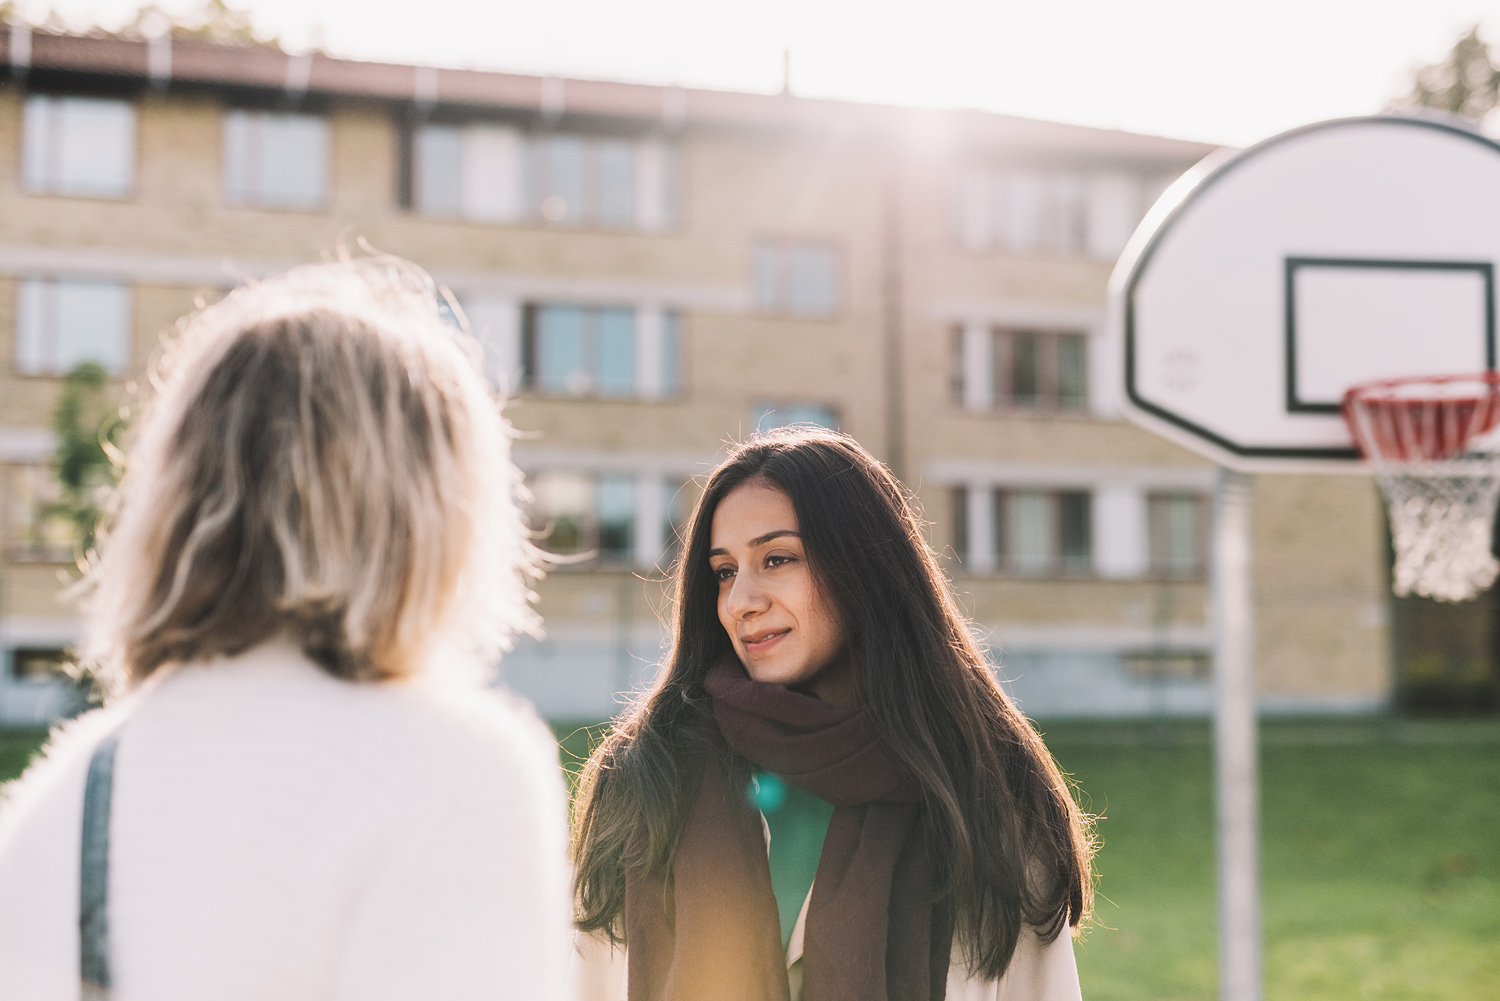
(1267, 281)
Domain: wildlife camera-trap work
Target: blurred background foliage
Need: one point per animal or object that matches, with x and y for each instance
(1466, 83)
(89, 427)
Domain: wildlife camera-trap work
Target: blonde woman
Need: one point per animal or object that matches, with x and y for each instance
(300, 788)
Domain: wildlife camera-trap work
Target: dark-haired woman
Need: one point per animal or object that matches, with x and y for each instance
(818, 652)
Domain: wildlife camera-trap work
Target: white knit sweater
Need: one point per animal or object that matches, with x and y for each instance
(279, 834)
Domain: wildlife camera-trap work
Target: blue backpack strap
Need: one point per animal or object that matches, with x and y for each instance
(93, 898)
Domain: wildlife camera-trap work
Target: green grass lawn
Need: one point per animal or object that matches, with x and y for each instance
(16, 749)
(1380, 862)
(1380, 857)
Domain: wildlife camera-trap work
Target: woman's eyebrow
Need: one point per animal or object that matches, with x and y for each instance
(759, 540)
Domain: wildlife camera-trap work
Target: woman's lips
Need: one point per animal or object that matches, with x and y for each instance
(765, 642)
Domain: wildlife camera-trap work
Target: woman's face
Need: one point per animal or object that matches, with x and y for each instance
(769, 603)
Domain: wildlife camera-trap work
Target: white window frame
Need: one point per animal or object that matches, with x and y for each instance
(1120, 515)
(501, 178)
(773, 278)
(657, 345)
(979, 348)
(39, 317)
(488, 176)
(1201, 514)
(653, 495)
(1049, 210)
(655, 183)
(1052, 562)
(495, 321)
(48, 132)
(243, 139)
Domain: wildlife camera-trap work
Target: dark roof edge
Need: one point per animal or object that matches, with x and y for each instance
(268, 68)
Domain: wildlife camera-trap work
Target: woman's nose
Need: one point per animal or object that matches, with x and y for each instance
(746, 596)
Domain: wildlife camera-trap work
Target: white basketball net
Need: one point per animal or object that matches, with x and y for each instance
(1440, 474)
(1441, 522)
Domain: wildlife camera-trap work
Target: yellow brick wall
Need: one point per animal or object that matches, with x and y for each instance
(1320, 584)
(1322, 593)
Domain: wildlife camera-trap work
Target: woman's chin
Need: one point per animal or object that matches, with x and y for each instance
(773, 673)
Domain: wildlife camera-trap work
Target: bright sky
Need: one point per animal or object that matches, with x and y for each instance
(1229, 72)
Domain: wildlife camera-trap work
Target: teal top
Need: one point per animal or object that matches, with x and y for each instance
(799, 822)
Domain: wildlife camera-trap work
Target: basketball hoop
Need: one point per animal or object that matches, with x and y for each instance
(1264, 284)
(1440, 473)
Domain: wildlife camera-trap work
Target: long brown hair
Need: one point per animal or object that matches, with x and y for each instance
(1012, 848)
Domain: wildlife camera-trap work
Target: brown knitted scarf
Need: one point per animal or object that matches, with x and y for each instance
(711, 933)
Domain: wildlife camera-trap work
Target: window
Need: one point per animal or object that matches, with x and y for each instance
(671, 353)
(493, 173)
(958, 499)
(1038, 370)
(275, 160)
(471, 172)
(496, 322)
(1044, 533)
(563, 508)
(1047, 211)
(1023, 367)
(1075, 537)
(965, 373)
(78, 146)
(618, 518)
(1040, 212)
(1004, 368)
(615, 510)
(566, 179)
(582, 350)
(616, 198)
(36, 531)
(1024, 532)
(779, 415)
(1072, 367)
(1168, 665)
(1176, 534)
(61, 323)
(676, 512)
(438, 168)
(572, 350)
(39, 663)
(556, 179)
(796, 279)
(1111, 529)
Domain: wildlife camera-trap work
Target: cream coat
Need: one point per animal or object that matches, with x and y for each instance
(277, 833)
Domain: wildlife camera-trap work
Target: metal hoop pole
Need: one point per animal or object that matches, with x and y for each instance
(1235, 743)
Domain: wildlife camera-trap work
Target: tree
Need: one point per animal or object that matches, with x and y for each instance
(88, 433)
(214, 21)
(1466, 83)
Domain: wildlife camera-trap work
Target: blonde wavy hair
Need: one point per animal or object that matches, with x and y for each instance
(322, 462)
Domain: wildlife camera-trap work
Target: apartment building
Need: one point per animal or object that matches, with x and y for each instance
(655, 272)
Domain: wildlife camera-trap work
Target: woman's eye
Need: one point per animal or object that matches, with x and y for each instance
(776, 560)
(723, 573)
